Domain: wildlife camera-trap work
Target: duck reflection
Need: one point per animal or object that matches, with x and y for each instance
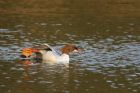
(38, 77)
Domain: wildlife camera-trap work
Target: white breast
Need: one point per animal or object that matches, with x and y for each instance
(64, 58)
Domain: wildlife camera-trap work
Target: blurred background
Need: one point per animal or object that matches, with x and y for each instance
(108, 30)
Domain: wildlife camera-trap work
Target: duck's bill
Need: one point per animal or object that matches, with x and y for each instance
(79, 50)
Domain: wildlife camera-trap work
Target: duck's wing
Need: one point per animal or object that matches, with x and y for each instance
(43, 47)
(52, 49)
(47, 47)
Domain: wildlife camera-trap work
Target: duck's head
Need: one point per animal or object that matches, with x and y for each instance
(69, 48)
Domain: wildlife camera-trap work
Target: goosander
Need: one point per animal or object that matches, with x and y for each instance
(49, 54)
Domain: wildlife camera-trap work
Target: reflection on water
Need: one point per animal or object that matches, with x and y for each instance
(108, 31)
(52, 78)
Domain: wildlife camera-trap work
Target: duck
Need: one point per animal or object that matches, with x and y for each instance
(47, 53)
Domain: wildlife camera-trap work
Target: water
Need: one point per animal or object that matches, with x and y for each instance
(107, 30)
